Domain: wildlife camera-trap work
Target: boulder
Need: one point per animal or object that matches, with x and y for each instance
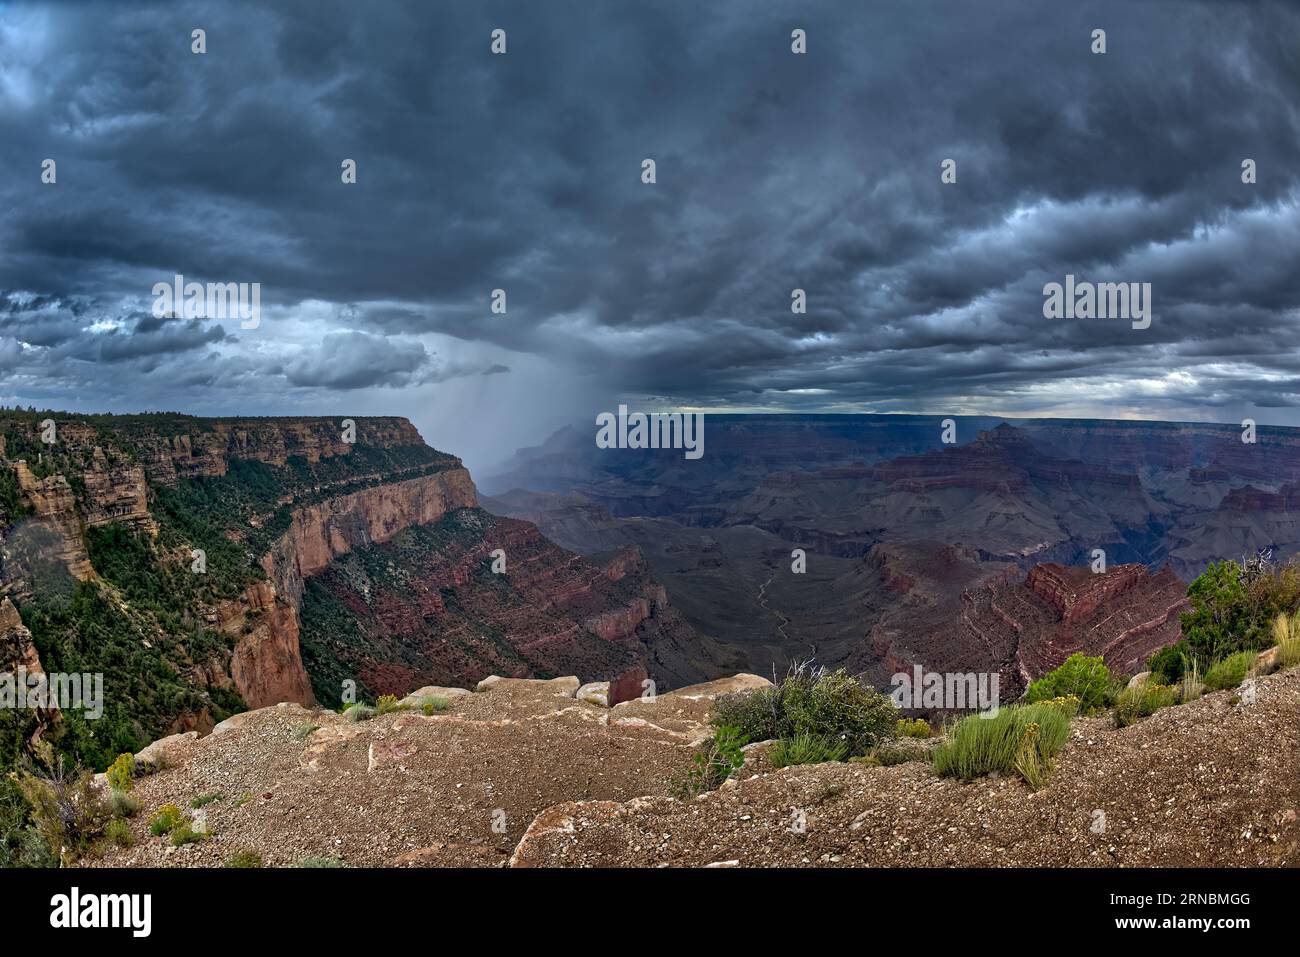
(416, 698)
(565, 687)
(167, 751)
(1140, 678)
(594, 692)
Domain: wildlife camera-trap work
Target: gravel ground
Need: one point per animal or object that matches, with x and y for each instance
(1214, 782)
(1209, 783)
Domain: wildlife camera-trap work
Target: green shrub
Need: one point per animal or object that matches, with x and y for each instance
(1235, 606)
(166, 819)
(121, 773)
(434, 704)
(914, 728)
(320, 862)
(184, 833)
(1288, 654)
(711, 764)
(1169, 664)
(388, 703)
(805, 748)
(119, 832)
(122, 804)
(1141, 701)
(1229, 672)
(1079, 676)
(812, 701)
(301, 732)
(203, 800)
(245, 859)
(67, 809)
(359, 712)
(1005, 743)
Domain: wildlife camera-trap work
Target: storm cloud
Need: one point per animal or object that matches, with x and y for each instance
(775, 171)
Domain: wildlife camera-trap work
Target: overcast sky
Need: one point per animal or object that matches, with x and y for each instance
(774, 171)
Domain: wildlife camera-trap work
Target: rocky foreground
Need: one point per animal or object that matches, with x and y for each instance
(540, 773)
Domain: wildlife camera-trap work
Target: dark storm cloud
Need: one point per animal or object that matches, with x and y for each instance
(775, 171)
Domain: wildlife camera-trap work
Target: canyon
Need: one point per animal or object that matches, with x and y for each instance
(204, 537)
(348, 557)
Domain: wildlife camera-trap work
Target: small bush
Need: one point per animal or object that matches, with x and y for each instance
(1169, 664)
(1005, 743)
(1191, 687)
(359, 712)
(712, 764)
(203, 800)
(1141, 701)
(1288, 654)
(389, 703)
(67, 809)
(812, 701)
(166, 819)
(301, 732)
(434, 704)
(1079, 676)
(320, 862)
(119, 832)
(914, 728)
(245, 859)
(805, 748)
(122, 805)
(1229, 672)
(121, 773)
(184, 833)
(243, 799)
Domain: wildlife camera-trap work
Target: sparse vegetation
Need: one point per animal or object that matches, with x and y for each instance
(203, 800)
(805, 748)
(119, 832)
(122, 804)
(712, 764)
(184, 833)
(245, 859)
(121, 773)
(1079, 676)
(1141, 701)
(1229, 672)
(166, 819)
(388, 703)
(833, 706)
(66, 807)
(914, 728)
(1005, 743)
(321, 862)
(433, 705)
(301, 732)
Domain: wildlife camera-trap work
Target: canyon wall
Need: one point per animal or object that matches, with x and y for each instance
(267, 664)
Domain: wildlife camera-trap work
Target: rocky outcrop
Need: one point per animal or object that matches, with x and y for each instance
(322, 532)
(54, 508)
(207, 446)
(116, 493)
(16, 647)
(267, 663)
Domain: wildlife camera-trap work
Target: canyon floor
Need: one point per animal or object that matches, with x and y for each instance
(525, 774)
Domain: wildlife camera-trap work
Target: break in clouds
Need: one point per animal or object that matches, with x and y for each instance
(774, 171)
